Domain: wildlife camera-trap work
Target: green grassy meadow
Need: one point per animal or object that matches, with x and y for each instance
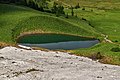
(21, 19)
(101, 4)
(99, 19)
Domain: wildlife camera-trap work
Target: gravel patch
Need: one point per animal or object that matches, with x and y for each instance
(20, 64)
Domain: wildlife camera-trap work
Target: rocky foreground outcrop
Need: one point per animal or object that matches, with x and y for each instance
(19, 64)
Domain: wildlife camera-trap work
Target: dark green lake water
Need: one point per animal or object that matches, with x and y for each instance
(56, 41)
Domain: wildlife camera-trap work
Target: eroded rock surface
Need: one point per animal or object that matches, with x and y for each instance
(19, 64)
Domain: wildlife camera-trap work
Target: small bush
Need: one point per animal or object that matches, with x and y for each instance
(116, 49)
(66, 15)
(83, 9)
(84, 19)
(116, 41)
(96, 56)
(91, 10)
(77, 6)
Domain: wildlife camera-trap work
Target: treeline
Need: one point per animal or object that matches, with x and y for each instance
(35, 4)
(41, 5)
(57, 9)
(13, 1)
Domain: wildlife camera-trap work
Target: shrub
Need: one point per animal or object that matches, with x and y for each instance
(84, 19)
(83, 9)
(72, 11)
(116, 41)
(66, 15)
(57, 9)
(77, 6)
(116, 49)
(96, 56)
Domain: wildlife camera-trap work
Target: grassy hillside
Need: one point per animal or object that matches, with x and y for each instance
(15, 20)
(104, 21)
(102, 52)
(103, 16)
(10, 16)
(94, 21)
(107, 4)
(47, 24)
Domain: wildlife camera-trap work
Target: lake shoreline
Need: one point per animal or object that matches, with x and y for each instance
(69, 45)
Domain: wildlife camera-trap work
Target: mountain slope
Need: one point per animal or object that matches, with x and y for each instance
(17, 19)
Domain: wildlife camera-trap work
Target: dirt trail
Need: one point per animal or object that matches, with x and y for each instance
(106, 38)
